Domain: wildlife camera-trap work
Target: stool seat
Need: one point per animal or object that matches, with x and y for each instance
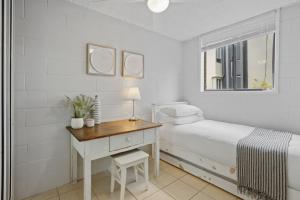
(121, 162)
(129, 157)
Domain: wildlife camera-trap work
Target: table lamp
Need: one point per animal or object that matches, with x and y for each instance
(133, 94)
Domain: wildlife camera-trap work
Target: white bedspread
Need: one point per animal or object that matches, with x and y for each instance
(217, 141)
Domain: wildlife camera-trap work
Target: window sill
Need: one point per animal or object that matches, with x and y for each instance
(255, 92)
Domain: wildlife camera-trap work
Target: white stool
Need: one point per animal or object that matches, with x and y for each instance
(121, 162)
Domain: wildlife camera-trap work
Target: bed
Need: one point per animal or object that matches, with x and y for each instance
(207, 149)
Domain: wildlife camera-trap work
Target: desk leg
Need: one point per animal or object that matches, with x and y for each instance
(157, 153)
(73, 164)
(153, 151)
(87, 183)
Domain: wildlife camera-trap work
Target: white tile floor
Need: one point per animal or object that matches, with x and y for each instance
(172, 184)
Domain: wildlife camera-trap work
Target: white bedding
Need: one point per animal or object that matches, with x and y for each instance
(217, 141)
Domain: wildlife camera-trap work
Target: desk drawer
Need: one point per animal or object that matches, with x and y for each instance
(125, 140)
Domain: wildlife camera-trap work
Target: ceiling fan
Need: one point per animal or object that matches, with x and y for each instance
(155, 6)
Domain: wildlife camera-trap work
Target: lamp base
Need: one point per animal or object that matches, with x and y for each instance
(133, 119)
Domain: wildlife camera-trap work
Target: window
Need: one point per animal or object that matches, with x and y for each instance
(240, 57)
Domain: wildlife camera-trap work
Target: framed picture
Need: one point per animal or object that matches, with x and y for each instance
(132, 64)
(101, 60)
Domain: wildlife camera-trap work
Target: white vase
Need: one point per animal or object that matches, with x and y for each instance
(77, 123)
(96, 114)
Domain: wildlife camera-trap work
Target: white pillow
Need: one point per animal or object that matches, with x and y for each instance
(181, 110)
(164, 118)
(188, 119)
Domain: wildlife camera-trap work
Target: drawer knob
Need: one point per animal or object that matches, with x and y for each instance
(128, 139)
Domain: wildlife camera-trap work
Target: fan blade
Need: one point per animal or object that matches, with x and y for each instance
(116, 1)
(142, 1)
(185, 1)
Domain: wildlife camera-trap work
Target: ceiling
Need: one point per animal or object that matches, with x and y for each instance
(184, 19)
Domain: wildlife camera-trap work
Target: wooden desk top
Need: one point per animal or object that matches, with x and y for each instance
(106, 129)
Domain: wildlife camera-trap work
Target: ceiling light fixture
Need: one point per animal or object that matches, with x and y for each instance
(158, 6)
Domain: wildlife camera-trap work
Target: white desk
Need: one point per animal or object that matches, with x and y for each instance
(107, 139)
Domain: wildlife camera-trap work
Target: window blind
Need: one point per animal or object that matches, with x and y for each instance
(240, 31)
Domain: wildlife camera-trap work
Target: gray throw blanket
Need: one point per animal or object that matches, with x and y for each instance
(262, 164)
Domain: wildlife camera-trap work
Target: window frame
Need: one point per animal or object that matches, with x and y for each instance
(275, 89)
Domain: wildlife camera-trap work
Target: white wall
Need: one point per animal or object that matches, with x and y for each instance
(50, 62)
(280, 111)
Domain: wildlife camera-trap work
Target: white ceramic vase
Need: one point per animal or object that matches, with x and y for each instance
(77, 123)
(96, 114)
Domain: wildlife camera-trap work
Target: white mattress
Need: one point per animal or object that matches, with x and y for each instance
(217, 141)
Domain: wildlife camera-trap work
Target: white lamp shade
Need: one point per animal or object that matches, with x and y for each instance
(158, 6)
(134, 93)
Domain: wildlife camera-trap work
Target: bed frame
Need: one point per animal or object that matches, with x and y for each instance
(211, 171)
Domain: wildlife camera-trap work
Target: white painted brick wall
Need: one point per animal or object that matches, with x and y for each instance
(278, 111)
(50, 50)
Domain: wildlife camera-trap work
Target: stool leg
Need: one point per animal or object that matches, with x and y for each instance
(146, 173)
(123, 182)
(113, 174)
(136, 173)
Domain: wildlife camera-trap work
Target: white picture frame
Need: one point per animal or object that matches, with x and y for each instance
(101, 60)
(132, 65)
